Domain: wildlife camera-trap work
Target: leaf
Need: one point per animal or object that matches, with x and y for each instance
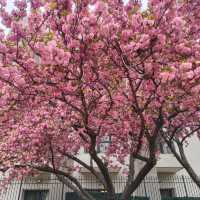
(53, 5)
(166, 69)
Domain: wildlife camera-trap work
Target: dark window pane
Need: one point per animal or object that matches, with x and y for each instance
(104, 144)
(35, 194)
(163, 147)
(169, 192)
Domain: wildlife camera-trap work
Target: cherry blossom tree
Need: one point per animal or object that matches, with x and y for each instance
(75, 71)
(177, 134)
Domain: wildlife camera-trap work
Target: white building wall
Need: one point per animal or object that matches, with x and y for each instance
(182, 185)
(193, 154)
(167, 168)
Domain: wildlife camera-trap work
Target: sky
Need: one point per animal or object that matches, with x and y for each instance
(10, 5)
(144, 4)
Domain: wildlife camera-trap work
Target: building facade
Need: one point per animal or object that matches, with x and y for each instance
(166, 181)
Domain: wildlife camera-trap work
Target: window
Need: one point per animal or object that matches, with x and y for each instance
(167, 192)
(35, 194)
(104, 144)
(96, 190)
(71, 196)
(163, 147)
(97, 193)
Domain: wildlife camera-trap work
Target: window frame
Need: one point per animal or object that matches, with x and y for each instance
(98, 148)
(108, 142)
(170, 190)
(25, 191)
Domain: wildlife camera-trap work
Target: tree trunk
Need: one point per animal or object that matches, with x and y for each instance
(192, 173)
(81, 193)
(150, 162)
(104, 171)
(133, 185)
(184, 162)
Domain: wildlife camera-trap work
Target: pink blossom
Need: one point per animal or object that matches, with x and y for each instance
(3, 3)
(186, 66)
(73, 74)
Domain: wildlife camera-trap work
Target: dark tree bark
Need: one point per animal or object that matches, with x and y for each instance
(181, 157)
(150, 162)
